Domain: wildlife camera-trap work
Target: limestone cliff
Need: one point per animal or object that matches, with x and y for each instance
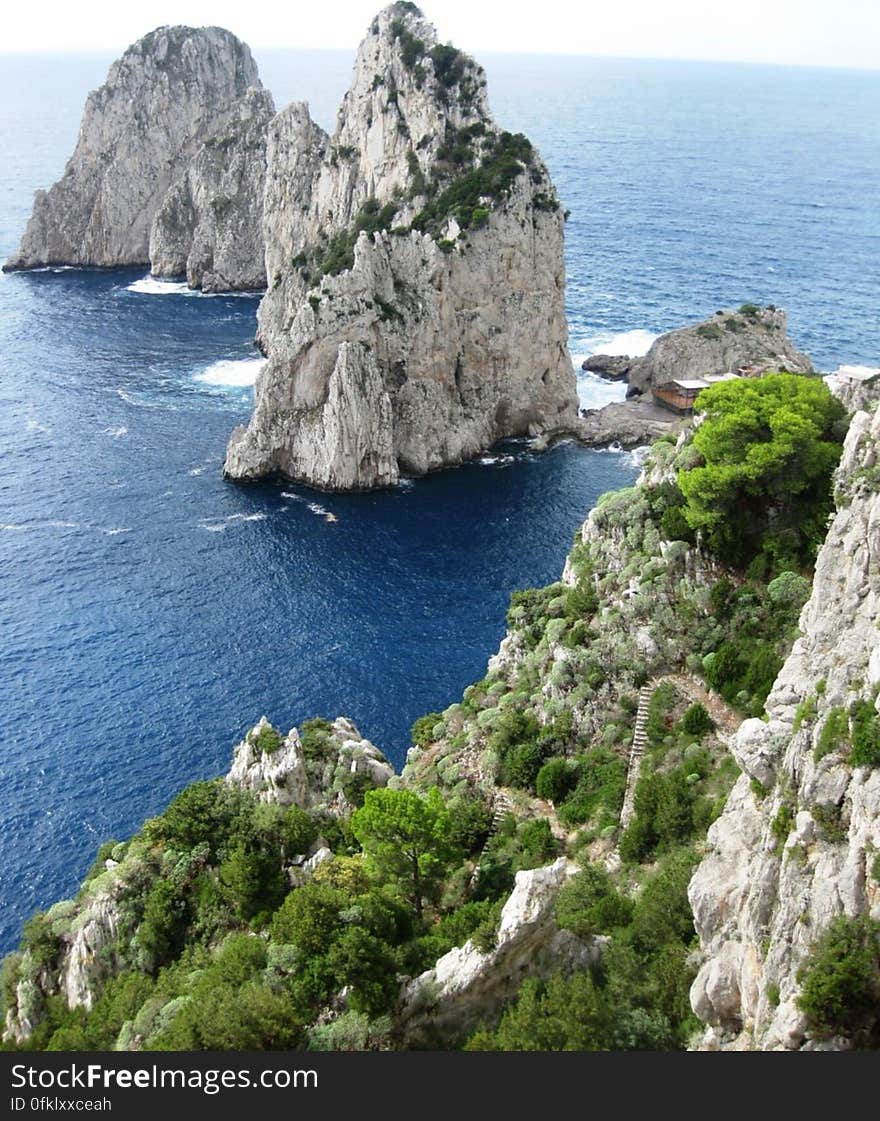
(415, 311)
(751, 338)
(209, 225)
(794, 846)
(167, 167)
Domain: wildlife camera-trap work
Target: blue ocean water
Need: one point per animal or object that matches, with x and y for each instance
(150, 612)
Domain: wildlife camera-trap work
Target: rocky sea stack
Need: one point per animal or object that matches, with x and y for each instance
(415, 312)
(168, 167)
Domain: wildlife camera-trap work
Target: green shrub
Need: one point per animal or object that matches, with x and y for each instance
(840, 992)
(537, 842)
(470, 820)
(589, 904)
(423, 729)
(601, 782)
(789, 590)
(697, 721)
(267, 740)
(835, 733)
(314, 735)
(782, 824)
(664, 806)
(828, 817)
(660, 706)
(563, 1014)
(556, 779)
(865, 735)
(769, 446)
(663, 914)
(43, 943)
(506, 157)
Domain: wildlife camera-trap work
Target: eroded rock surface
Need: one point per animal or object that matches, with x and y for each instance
(172, 130)
(415, 311)
(794, 845)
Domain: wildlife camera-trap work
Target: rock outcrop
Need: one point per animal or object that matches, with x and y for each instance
(468, 986)
(167, 168)
(415, 311)
(629, 424)
(284, 772)
(794, 846)
(751, 339)
(100, 933)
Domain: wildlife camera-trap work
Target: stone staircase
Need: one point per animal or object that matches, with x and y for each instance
(502, 805)
(637, 751)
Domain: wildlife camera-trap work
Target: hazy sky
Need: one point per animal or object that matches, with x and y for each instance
(812, 32)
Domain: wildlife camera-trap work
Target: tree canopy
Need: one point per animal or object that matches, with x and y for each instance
(769, 448)
(406, 839)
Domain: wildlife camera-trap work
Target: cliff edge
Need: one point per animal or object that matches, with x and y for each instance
(794, 850)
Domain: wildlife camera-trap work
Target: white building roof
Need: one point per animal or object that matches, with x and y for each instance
(857, 373)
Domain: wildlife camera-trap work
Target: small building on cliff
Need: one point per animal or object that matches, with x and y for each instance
(680, 394)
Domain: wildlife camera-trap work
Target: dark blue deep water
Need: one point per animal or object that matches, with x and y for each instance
(150, 612)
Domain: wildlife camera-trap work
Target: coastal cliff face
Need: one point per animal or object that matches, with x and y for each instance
(209, 225)
(415, 311)
(168, 146)
(548, 918)
(795, 847)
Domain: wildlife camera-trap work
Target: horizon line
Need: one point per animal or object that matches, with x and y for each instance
(475, 52)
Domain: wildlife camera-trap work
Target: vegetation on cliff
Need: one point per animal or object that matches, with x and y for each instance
(226, 936)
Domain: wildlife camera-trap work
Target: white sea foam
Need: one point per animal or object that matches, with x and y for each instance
(158, 286)
(314, 507)
(129, 400)
(496, 460)
(218, 525)
(116, 433)
(635, 343)
(197, 471)
(229, 372)
(30, 527)
(154, 286)
(595, 392)
(638, 456)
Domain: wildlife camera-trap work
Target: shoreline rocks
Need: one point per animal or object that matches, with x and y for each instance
(750, 341)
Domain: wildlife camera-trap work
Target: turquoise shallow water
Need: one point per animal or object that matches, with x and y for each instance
(150, 612)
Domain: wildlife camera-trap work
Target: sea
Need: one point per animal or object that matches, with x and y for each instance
(150, 612)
